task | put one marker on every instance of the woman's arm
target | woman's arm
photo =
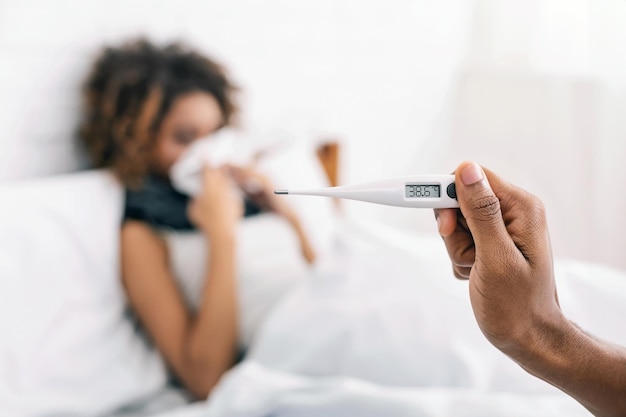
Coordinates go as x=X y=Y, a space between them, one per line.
x=199 y=347
x=263 y=195
x=306 y=248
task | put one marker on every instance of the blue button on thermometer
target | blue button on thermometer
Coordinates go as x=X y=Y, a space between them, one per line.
x=425 y=191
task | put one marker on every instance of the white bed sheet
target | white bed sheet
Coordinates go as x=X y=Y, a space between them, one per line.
x=383 y=328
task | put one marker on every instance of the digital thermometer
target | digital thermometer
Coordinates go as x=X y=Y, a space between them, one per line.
x=422 y=191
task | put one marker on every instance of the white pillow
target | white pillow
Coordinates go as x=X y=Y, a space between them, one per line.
x=269 y=265
x=66 y=347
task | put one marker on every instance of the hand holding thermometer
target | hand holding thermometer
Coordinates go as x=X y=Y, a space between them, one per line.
x=420 y=191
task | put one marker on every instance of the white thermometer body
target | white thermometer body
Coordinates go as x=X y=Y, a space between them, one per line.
x=420 y=191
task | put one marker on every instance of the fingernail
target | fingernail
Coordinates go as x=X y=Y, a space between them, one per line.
x=471 y=174
x=439 y=221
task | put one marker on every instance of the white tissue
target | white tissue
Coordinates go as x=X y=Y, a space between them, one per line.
x=215 y=150
x=227 y=146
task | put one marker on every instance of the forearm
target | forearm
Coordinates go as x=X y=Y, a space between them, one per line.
x=212 y=336
x=590 y=370
x=306 y=248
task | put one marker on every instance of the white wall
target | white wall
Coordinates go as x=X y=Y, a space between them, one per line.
x=540 y=99
x=351 y=67
x=410 y=86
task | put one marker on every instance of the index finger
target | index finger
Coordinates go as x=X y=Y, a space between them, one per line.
x=446 y=221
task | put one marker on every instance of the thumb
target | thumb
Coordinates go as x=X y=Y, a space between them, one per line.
x=481 y=208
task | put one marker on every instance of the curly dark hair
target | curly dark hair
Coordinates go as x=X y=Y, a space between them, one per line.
x=130 y=90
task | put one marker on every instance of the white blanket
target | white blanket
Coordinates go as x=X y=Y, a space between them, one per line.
x=254 y=390
x=384 y=329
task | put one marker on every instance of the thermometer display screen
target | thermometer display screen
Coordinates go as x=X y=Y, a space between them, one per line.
x=422 y=191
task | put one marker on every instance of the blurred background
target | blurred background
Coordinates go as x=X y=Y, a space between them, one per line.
x=535 y=90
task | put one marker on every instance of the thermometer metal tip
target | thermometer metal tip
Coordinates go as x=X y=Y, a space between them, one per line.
x=281 y=191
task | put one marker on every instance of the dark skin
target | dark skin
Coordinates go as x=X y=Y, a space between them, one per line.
x=499 y=241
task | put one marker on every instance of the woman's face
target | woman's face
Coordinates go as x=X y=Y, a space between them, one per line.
x=191 y=117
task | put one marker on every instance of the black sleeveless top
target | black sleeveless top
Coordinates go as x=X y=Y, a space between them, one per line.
x=160 y=205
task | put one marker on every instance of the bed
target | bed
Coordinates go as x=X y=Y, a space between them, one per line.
x=378 y=327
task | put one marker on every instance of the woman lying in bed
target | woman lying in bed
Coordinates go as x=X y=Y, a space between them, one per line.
x=145 y=105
